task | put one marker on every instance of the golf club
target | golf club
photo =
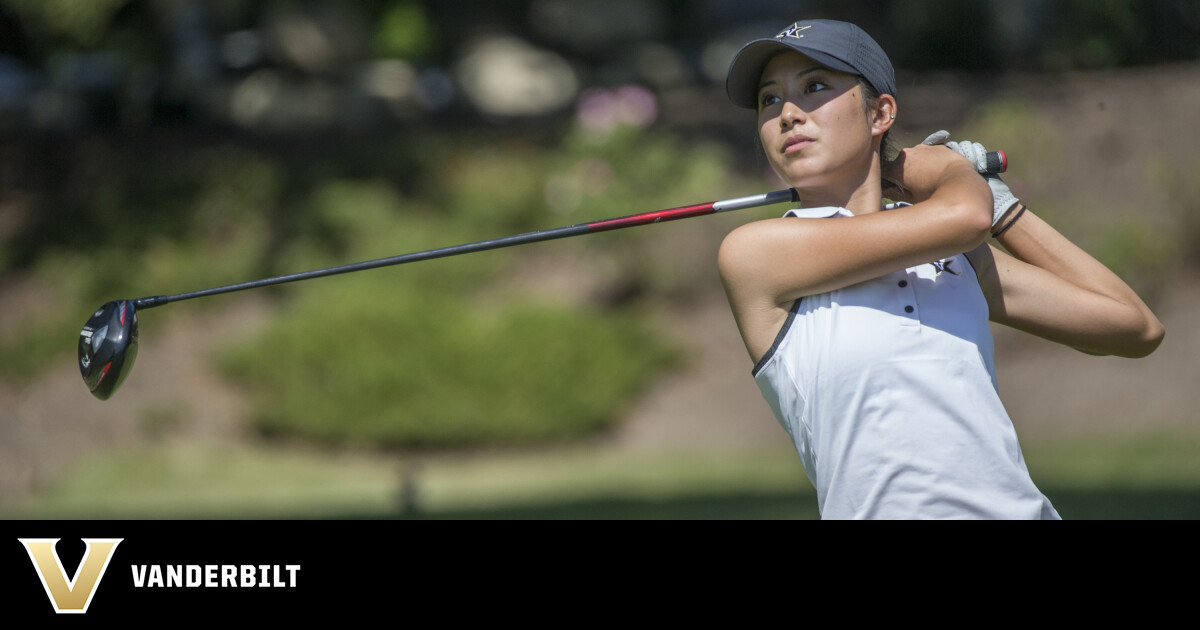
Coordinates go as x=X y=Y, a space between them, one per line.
x=108 y=342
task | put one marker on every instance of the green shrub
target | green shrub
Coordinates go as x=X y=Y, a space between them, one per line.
x=494 y=190
x=382 y=360
x=1145 y=258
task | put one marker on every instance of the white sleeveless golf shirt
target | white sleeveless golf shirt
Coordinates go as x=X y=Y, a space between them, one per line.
x=888 y=391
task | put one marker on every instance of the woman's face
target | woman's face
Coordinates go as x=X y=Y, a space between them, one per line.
x=814 y=128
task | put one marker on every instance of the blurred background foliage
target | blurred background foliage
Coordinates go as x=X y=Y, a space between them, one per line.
x=162 y=146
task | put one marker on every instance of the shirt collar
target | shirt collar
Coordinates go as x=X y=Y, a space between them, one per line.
x=830 y=211
x=818 y=213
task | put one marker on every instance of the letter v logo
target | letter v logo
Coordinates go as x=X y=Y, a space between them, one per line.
x=70 y=595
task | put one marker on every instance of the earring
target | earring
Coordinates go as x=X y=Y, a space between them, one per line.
x=893 y=117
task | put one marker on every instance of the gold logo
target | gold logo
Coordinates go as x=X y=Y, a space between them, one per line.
x=72 y=595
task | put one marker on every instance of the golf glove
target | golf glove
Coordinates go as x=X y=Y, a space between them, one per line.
x=937 y=137
x=1002 y=198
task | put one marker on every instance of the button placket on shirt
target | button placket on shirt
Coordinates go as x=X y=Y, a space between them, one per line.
x=909 y=295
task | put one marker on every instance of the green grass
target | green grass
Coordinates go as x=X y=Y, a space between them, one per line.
x=1142 y=477
x=186 y=481
x=242 y=482
x=1137 y=462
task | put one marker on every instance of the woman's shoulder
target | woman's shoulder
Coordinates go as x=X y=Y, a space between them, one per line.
x=747 y=248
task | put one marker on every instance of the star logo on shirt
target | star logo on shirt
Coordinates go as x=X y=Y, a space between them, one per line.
x=793 y=31
x=944 y=265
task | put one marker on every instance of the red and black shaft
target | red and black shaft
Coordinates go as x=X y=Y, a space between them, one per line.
x=645 y=218
x=997 y=162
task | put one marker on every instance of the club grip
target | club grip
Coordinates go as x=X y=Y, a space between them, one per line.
x=997 y=162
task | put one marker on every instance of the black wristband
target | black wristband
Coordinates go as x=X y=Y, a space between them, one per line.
x=1010 y=221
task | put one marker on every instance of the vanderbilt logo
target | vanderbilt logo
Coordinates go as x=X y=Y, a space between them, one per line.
x=72 y=595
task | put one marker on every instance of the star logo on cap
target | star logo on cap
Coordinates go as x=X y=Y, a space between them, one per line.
x=793 y=31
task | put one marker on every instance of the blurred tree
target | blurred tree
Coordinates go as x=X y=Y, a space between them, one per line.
x=1092 y=34
x=940 y=34
x=404 y=31
x=13 y=40
x=68 y=24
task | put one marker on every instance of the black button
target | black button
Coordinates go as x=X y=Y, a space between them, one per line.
x=908 y=309
x=903 y=283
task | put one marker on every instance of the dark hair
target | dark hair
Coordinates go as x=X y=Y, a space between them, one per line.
x=887 y=149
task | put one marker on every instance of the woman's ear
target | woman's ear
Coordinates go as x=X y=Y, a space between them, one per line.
x=883 y=114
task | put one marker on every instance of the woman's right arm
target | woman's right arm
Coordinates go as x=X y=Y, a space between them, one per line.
x=766 y=265
x=781 y=260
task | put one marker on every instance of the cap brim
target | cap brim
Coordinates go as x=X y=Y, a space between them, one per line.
x=745 y=71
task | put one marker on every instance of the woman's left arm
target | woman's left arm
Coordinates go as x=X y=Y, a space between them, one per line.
x=1048 y=286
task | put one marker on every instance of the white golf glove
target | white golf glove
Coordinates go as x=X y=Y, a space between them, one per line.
x=1002 y=198
x=937 y=137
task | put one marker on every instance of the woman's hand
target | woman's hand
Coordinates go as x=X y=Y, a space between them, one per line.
x=1003 y=199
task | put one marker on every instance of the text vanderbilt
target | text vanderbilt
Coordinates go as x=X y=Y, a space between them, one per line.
x=215 y=575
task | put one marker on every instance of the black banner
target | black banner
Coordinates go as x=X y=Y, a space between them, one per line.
x=236 y=570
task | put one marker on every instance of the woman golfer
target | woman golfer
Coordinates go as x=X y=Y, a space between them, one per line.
x=868 y=325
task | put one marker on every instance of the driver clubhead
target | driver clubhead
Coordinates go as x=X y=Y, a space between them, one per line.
x=108 y=344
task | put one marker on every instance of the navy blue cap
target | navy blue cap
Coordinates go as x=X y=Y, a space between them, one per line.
x=837 y=45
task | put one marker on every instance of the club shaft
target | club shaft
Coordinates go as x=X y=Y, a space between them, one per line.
x=997 y=162
x=645 y=218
